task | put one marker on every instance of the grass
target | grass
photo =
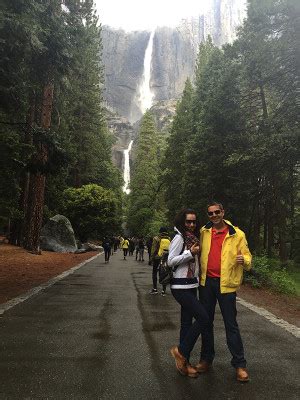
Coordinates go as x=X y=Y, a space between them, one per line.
x=294 y=273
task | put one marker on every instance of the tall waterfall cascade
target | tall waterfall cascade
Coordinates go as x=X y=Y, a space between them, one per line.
x=145 y=95
x=126 y=170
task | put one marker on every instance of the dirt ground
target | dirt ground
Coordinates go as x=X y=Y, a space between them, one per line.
x=21 y=271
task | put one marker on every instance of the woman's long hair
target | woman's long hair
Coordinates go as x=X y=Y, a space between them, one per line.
x=180 y=221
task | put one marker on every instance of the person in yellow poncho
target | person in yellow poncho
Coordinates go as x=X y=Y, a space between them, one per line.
x=125 y=246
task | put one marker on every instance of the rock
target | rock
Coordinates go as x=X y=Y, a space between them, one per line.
x=58 y=235
x=91 y=247
x=79 y=251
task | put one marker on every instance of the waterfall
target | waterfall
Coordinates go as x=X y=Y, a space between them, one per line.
x=145 y=95
x=126 y=171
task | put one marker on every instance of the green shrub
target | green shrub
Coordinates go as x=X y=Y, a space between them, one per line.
x=267 y=272
x=93 y=211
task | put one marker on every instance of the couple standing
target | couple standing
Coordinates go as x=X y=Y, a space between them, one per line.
x=223 y=253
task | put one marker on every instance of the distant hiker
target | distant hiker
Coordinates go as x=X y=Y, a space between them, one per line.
x=149 y=245
x=124 y=246
x=136 y=247
x=224 y=256
x=141 y=245
x=106 y=244
x=159 y=244
x=184 y=259
x=111 y=246
x=116 y=243
x=131 y=247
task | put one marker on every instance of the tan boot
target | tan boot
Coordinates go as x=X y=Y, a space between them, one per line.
x=242 y=375
x=202 y=366
x=182 y=366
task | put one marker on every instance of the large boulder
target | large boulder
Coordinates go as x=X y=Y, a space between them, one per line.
x=58 y=235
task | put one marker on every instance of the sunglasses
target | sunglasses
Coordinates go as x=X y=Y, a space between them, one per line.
x=211 y=213
x=190 y=221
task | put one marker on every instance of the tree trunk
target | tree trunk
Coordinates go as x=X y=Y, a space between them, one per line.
x=281 y=223
x=17 y=232
x=34 y=215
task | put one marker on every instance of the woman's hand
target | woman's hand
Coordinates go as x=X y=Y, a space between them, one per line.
x=195 y=249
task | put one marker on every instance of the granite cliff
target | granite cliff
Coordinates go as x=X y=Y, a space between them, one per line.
x=173 y=56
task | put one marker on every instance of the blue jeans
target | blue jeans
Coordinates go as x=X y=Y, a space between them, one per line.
x=209 y=295
x=189 y=329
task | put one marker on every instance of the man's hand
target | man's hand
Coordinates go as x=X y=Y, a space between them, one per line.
x=195 y=249
x=240 y=258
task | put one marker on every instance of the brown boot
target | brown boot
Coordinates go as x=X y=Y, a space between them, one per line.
x=242 y=375
x=191 y=371
x=181 y=364
x=202 y=366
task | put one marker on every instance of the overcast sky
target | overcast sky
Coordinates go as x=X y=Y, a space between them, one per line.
x=146 y=14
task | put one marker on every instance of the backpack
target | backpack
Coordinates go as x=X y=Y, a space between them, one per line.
x=165 y=272
x=164 y=245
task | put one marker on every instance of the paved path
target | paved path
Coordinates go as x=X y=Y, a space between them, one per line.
x=98 y=334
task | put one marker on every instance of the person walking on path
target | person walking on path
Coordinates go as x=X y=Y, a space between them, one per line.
x=224 y=256
x=107 y=249
x=149 y=245
x=184 y=260
x=141 y=245
x=124 y=246
x=131 y=247
x=158 y=244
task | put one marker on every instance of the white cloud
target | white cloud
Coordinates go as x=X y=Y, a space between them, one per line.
x=147 y=14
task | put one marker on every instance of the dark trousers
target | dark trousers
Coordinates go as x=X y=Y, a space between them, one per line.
x=155 y=267
x=106 y=254
x=191 y=308
x=209 y=295
x=125 y=251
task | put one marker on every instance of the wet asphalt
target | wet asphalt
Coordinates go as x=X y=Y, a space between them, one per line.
x=98 y=334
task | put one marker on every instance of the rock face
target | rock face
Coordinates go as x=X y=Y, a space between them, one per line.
x=173 y=57
x=58 y=235
x=173 y=60
x=123 y=133
x=123 y=57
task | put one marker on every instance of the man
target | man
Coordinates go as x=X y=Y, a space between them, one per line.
x=224 y=256
x=160 y=244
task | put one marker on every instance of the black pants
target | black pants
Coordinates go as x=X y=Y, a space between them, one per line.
x=155 y=266
x=209 y=295
x=107 y=254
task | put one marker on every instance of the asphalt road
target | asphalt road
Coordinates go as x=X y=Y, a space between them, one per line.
x=98 y=334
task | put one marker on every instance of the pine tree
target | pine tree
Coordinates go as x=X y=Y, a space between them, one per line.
x=144 y=183
x=176 y=156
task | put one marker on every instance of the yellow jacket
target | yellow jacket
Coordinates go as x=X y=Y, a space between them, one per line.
x=231 y=272
x=125 y=244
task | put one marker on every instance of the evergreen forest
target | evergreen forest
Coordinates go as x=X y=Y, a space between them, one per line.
x=234 y=138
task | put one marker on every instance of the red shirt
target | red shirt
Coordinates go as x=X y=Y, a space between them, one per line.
x=214 y=256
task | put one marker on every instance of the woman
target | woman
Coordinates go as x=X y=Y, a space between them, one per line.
x=184 y=260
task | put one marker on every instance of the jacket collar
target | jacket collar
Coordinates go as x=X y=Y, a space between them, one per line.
x=232 y=230
x=177 y=231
